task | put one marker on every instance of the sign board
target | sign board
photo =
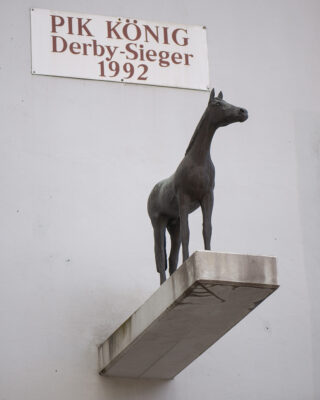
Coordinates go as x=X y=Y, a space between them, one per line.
x=119 y=49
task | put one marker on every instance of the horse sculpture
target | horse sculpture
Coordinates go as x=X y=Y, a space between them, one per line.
x=191 y=186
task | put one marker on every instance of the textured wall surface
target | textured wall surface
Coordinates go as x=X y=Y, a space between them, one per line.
x=78 y=160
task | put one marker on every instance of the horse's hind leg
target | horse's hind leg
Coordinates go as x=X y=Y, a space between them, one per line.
x=174 y=231
x=159 y=230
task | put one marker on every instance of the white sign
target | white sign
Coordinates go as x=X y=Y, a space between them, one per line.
x=119 y=49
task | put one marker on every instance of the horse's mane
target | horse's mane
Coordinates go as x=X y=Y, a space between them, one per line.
x=196 y=132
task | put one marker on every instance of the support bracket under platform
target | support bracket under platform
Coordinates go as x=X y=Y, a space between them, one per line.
x=209 y=294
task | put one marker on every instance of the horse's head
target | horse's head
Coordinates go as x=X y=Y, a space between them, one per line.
x=222 y=113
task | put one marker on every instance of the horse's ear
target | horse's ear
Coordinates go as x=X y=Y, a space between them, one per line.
x=220 y=96
x=212 y=94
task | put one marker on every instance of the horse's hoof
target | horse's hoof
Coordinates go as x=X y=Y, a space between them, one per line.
x=162 y=279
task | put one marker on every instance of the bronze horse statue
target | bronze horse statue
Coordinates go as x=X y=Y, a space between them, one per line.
x=191 y=186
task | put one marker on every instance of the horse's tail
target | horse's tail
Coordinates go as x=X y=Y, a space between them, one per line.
x=159 y=230
x=165 y=251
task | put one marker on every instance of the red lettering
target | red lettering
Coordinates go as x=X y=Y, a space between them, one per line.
x=186 y=57
x=111 y=50
x=163 y=56
x=153 y=34
x=70 y=30
x=125 y=31
x=55 y=23
x=151 y=55
x=85 y=48
x=165 y=35
x=112 y=29
x=82 y=26
x=130 y=50
x=176 y=58
x=98 y=50
x=54 y=44
x=184 y=39
x=75 y=46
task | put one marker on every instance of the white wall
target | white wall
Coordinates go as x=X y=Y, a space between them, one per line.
x=78 y=159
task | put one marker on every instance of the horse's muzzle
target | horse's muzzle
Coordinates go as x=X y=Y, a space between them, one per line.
x=243 y=114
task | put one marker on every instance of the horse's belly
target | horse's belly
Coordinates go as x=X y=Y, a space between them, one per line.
x=193 y=205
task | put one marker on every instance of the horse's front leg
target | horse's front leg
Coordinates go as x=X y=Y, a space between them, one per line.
x=184 y=225
x=206 y=207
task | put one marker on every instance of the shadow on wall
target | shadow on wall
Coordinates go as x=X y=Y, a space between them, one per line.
x=136 y=388
x=125 y=388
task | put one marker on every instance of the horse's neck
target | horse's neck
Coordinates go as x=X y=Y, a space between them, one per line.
x=199 y=148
